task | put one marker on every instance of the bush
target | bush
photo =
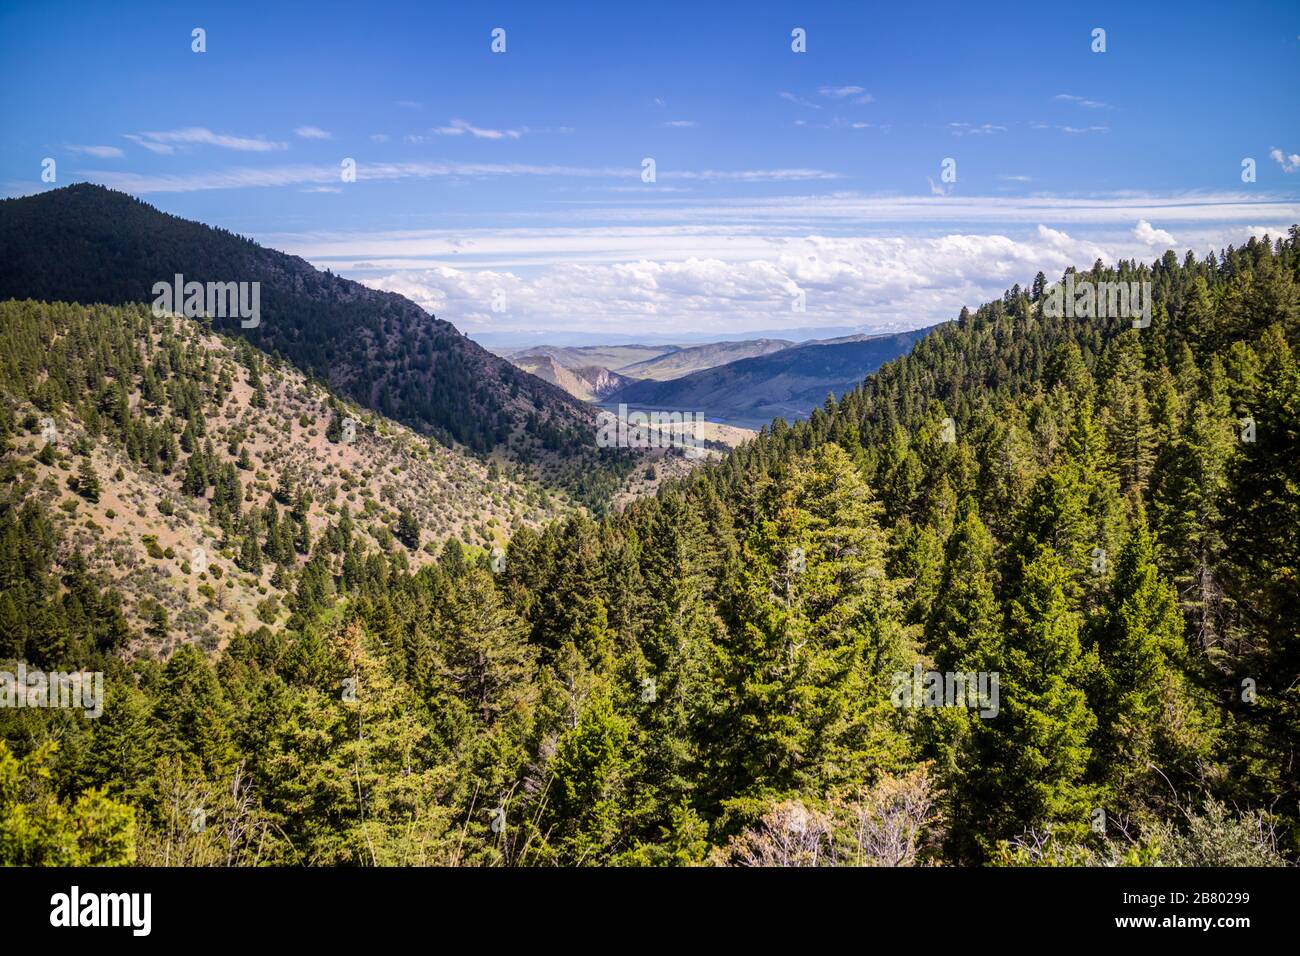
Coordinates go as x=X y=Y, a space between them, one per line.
x=151 y=547
x=1215 y=838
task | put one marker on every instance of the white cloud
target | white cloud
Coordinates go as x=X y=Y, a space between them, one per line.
x=153 y=147
x=892 y=282
x=1149 y=235
x=458 y=127
x=1289 y=164
x=247 y=177
x=876 y=283
x=967 y=129
x=732 y=266
x=605 y=233
x=838 y=122
x=1070 y=129
x=748 y=175
x=378 y=137
x=681 y=124
x=168 y=141
x=799 y=100
x=311 y=132
x=1053 y=238
x=856 y=93
x=102 y=152
x=1085 y=103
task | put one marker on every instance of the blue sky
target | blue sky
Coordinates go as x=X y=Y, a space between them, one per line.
x=504 y=191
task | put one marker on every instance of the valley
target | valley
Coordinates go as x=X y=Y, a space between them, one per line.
x=740 y=386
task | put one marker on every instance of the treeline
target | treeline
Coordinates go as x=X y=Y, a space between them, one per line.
x=1103 y=516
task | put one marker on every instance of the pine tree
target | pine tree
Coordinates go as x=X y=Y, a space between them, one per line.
x=121 y=752
x=1261 y=513
x=1187 y=498
x=1138 y=693
x=588 y=806
x=1027 y=764
x=38 y=829
x=963 y=631
x=486 y=657
x=334 y=430
x=250 y=553
x=815 y=635
x=159 y=625
x=343 y=763
x=192 y=713
x=408 y=529
x=88 y=481
x=963 y=634
x=1132 y=436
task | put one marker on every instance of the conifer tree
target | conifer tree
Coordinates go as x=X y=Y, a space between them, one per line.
x=192 y=713
x=1139 y=695
x=408 y=529
x=815 y=635
x=1027 y=764
x=88 y=481
x=486 y=657
x=963 y=631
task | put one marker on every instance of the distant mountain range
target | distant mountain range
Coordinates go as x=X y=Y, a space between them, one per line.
x=788 y=383
x=745 y=383
x=641 y=361
x=588 y=382
x=696 y=358
x=518 y=340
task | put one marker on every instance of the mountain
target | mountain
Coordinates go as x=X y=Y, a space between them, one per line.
x=788 y=383
x=613 y=357
x=1100 y=514
x=634 y=362
x=85 y=243
x=1080 y=533
x=587 y=382
x=695 y=358
x=200 y=441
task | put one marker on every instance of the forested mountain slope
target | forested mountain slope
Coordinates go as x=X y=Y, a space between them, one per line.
x=1109 y=519
x=712 y=675
x=84 y=243
x=150 y=437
